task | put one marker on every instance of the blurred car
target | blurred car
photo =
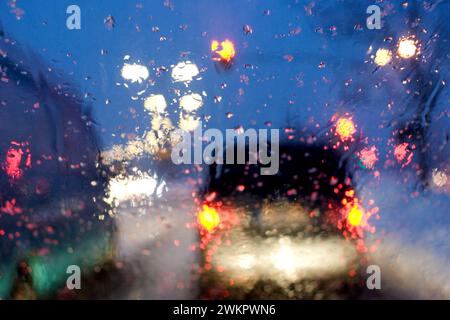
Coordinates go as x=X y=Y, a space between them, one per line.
x=279 y=236
x=51 y=181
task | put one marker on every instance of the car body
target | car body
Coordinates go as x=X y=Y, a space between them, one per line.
x=279 y=236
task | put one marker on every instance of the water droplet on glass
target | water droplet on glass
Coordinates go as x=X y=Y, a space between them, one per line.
x=109 y=22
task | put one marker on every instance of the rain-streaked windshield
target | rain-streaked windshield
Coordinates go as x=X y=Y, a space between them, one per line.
x=172 y=149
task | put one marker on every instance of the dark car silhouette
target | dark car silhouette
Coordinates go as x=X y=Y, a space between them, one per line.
x=279 y=236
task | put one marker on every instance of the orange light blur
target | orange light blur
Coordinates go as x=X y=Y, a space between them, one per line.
x=227 y=52
x=355 y=221
x=208 y=218
x=345 y=128
x=355 y=216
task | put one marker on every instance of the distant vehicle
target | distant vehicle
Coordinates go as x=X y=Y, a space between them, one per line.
x=51 y=181
x=278 y=236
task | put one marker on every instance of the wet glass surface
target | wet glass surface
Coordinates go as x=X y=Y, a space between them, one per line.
x=352 y=123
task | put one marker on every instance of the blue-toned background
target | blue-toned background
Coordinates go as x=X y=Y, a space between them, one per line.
x=303 y=63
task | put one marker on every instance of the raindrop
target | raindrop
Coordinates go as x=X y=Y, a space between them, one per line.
x=109 y=22
x=247 y=29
